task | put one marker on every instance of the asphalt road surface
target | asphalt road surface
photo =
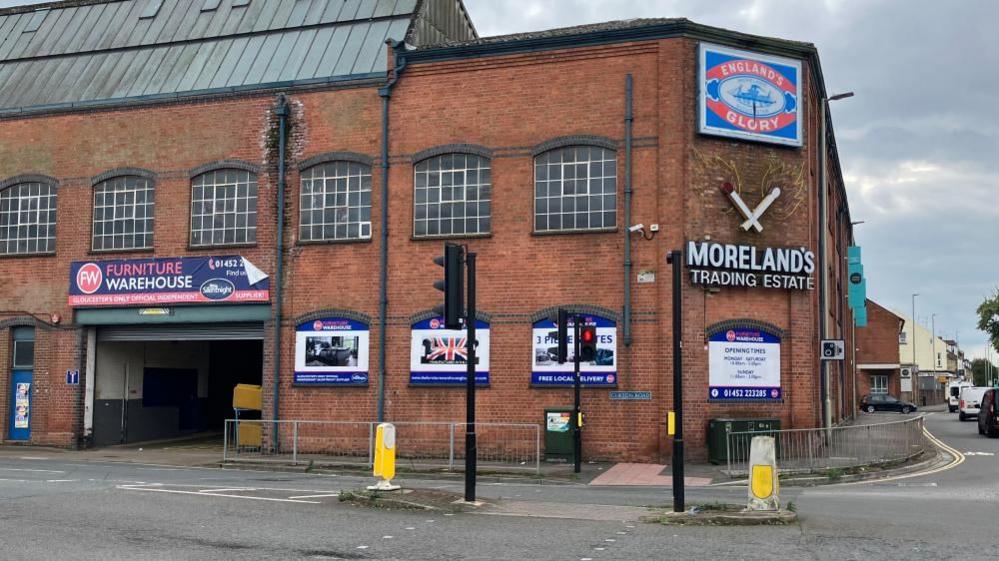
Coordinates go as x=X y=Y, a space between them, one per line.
x=52 y=509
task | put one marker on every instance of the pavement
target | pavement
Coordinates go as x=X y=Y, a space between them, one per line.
x=59 y=506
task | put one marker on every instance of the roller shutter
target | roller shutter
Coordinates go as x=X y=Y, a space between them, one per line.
x=182 y=332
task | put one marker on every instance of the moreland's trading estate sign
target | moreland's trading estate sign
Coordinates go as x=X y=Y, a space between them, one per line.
x=331 y=351
x=723 y=264
x=173 y=280
x=439 y=356
x=601 y=371
x=750 y=96
x=744 y=364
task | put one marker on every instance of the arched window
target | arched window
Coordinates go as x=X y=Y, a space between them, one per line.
x=336 y=202
x=575 y=188
x=452 y=196
x=224 y=208
x=123 y=213
x=27 y=218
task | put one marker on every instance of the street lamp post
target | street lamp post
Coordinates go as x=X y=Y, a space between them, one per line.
x=823 y=257
x=915 y=365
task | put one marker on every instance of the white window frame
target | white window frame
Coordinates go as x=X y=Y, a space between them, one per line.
x=879 y=384
x=553 y=171
x=432 y=196
x=339 y=210
x=30 y=210
x=127 y=212
x=236 y=208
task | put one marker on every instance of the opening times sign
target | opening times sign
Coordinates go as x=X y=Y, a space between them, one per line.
x=744 y=365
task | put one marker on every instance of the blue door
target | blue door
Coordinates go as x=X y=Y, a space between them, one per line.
x=23 y=364
x=20 y=405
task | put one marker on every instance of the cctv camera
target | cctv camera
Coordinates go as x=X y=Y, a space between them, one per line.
x=636 y=228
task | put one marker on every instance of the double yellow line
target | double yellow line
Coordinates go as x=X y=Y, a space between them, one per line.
x=958 y=459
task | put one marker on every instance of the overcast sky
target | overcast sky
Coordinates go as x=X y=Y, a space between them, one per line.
x=919 y=142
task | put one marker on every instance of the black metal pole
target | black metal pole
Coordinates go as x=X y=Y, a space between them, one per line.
x=676 y=259
x=471 y=449
x=577 y=426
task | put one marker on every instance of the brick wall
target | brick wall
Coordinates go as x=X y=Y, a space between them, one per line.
x=877 y=343
x=508 y=104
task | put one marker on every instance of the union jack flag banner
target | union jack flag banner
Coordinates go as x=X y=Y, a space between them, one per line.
x=439 y=356
x=448 y=349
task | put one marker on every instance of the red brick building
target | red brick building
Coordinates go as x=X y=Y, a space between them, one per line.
x=878 y=361
x=153 y=167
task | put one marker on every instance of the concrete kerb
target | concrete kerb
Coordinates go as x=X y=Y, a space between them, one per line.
x=726 y=515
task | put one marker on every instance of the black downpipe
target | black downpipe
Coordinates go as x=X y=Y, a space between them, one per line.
x=386 y=94
x=629 y=119
x=282 y=114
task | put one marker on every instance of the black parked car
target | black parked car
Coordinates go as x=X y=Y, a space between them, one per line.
x=988 y=415
x=884 y=402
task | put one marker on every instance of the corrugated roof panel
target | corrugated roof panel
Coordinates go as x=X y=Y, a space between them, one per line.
x=282 y=58
x=350 y=8
x=127 y=25
x=131 y=73
x=199 y=29
x=405 y=7
x=315 y=12
x=228 y=65
x=332 y=11
x=165 y=23
x=219 y=18
x=366 y=10
x=151 y=9
x=9 y=86
x=211 y=65
x=51 y=74
x=82 y=76
x=263 y=60
x=154 y=84
x=283 y=14
x=196 y=67
x=140 y=29
x=37 y=17
x=266 y=15
x=397 y=29
x=373 y=49
x=180 y=68
x=290 y=70
x=153 y=67
x=333 y=53
x=182 y=29
x=234 y=20
x=251 y=15
x=14 y=35
x=298 y=12
x=41 y=36
x=246 y=61
x=100 y=76
x=351 y=48
x=115 y=23
x=94 y=30
x=385 y=8
x=316 y=51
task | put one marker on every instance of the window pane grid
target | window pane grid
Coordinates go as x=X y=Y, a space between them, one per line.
x=224 y=208
x=575 y=188
x=452 y=196
x=123 y=214
x=27 y=219
x=336 y=202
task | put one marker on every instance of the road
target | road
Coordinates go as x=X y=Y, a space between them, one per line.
x=54 y=509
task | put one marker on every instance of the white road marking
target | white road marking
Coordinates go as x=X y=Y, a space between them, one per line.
x=315 y=496
x=362 y=547
x=386 y=537
x=979 y=454
x=179 y=492
x=33 y=470
x=33 y=458
x=60 y=480
x=227 y=490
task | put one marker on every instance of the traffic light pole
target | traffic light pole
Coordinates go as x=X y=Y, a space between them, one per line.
x=577 y=382
x=676 y=259
x=471 y=448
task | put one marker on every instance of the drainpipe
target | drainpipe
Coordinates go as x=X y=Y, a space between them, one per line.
x=629 y=119
x=386 y=94
x=824 y=389
x=282 y=114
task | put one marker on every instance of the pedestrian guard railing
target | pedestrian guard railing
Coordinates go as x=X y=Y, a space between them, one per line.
x=820 y=450
x=420 y=444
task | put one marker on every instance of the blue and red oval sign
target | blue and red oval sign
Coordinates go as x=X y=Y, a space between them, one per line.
x=750 y=96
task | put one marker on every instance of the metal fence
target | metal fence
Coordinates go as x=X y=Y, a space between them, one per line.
x=817 y=450
x=420 y=445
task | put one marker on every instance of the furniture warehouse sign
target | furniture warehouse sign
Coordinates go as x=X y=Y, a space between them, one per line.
x=744 y=365
x=173 y=280
x=749 y=96
x=439 y=356
x=600 y=372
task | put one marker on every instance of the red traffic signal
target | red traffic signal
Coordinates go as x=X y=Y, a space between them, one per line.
x=587 y=343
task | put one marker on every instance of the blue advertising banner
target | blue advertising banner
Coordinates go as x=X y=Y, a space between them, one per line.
x=744 y=365
x=600 y=372
x=173 y=280
x=749 y=96
x=331 y=351
x=439 y=356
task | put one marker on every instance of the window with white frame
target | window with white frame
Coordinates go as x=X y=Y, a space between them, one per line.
x=575 y=188
x=336 y=202
x=879 y=384
x=27 y=218
x=123 y=213
x=224 y=208
x=452 y=196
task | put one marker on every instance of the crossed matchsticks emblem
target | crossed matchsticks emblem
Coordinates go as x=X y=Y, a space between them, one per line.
x=752 y=216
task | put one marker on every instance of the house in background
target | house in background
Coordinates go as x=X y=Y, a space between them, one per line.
x=878 y=356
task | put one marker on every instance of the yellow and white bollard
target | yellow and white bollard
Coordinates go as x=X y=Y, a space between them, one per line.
x=384 y=458
x=764 y=487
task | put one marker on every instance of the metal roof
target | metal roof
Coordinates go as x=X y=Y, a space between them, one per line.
x=82 y=52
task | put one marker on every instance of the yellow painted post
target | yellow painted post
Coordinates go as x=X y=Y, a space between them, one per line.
x=384 y=458
x=671 y=423
x=764 y=485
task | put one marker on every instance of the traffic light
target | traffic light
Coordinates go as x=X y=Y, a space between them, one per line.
x=587 y=343
x=561 y=336
x=452 y=286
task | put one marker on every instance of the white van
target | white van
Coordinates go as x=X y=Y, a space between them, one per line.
x=970 y=401
x=954 y=393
